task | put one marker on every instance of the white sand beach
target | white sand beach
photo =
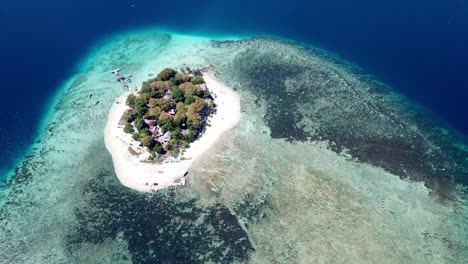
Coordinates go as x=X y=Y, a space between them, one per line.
x=135 y=173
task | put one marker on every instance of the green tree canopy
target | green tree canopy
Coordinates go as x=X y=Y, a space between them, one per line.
x=136 y=136
x=183 y=77
x=175 y=81
x=157 y=148
x=177 y=134
x=190 y=89
x=131 y=100
x=179 y=120
x=166 y=122
x=198 y=80
x=153 y=103
x=166 y=74
x=156 y=94
x=189 y=100
x=140 y=102
x=194 y=119
x=128 y=128
x=129 y=118
x=141 y=110
x=163 y=118
x=164 y=104
x=147 y=83
x=145 y=97
x=141 y=107
x=195 y=122
x=181 y=109
x=154 y=113
x=192 y=135
x=198 y=105
x=147 y=141
x=178 y=94
x=140 y=124
x=145 y=89
x=160 y=86
x=145 y=132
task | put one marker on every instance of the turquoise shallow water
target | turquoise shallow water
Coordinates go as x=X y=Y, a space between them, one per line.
x=327 y=164
x=416 y=47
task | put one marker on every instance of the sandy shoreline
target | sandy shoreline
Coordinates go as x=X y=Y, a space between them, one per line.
x=140 y=176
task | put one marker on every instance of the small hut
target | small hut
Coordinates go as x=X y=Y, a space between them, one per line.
x=166 y=137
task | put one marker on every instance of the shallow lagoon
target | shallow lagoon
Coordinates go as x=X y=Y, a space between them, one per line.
x=309 y=174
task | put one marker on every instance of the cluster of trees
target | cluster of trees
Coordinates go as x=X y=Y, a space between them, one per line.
x=177 y=102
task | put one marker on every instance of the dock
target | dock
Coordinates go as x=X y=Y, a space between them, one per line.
x=171 y=188
x=122 y=79
x=171 y=191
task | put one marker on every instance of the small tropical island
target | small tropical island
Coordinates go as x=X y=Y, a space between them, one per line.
x=156 y=133
x=169 y=112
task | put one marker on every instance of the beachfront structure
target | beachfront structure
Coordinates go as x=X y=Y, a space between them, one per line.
x=166 y=137
x=122 y=79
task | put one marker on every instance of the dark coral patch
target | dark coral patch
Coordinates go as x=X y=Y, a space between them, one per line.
x=312 y=95
x=158 y=229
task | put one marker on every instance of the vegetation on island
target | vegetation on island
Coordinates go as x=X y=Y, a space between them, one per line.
x=169 y=112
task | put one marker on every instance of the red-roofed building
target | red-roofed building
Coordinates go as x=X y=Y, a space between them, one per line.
x=152 y=123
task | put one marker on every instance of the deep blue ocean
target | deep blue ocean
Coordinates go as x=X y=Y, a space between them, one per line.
x=420 y=48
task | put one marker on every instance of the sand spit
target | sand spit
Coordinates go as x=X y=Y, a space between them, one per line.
x=134 y=172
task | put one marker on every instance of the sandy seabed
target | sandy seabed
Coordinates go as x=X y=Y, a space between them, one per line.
x=136 y=172
x=257 y=195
